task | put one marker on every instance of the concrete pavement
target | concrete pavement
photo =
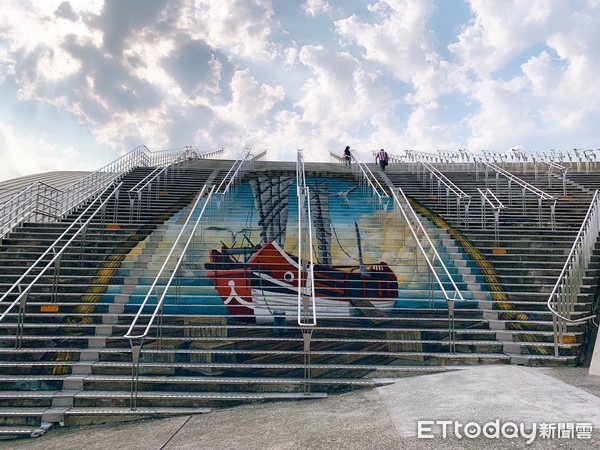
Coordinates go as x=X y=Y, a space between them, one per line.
x=487 y=400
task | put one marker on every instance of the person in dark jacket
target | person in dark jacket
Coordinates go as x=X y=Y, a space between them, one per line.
x=347 y=156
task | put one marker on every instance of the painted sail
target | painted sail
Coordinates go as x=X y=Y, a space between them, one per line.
x=322 y=223
x=271 y=201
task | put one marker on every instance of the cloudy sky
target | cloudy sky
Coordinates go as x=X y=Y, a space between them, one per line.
x=83 y=81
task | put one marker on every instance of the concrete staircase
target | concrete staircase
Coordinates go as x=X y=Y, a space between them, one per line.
x=74 y=366
x=520 y=269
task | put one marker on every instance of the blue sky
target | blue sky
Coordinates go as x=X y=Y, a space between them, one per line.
x=83 y=81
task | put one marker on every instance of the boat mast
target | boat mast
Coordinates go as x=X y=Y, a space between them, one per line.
x=363 y=269
x=322 y=223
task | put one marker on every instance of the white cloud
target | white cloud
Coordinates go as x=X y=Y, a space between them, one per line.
x=27 y=154
x=242 y=27
x=553 y=94
x=316 y=7
x=251 y=101
x=319 y=74
x=398 y=38
x=502 y=30
x=503 y=118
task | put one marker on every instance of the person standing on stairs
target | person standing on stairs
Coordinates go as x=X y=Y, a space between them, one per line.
x=382 y=157
x=347 y=157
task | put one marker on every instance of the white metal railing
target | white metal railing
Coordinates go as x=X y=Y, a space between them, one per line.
x=22 y=208
x=55 y=261
x=414 y=156
x=525 y=187
x=449 y=157
x=366 y=178
x=551 y=167
x=207 y=154
x=135 y=193
x=563 y=298
x=34 y=204
x=435 y=264
x=307 y=312
x=337 y=157
x=307 y=309
x=233 y=174
x=258 y=156
x=136 y=340
x=37 y=202
x=587 y=157
x=488 y=198
x=461 y=198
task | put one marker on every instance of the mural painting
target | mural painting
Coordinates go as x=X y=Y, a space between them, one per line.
x=362 y=253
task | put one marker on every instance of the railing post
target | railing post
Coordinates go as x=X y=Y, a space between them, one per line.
x=497 y=226
x=451 y=325
x=116 y=205
x=82 y=240
x=56 y=277
x=307 y=332
x=555 y=332
x=135 y=373
x=132 y=199
x=21 y=319
x=430 y=283
x=482 y=210
x=159 y=324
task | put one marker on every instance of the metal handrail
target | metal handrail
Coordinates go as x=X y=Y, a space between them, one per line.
x=258 y=156
x=300 y=175
x=414 y=156
x=412 y=219
x=525 y=187
x=147 y=180
x=563 y=298
x=22 y=207
x=135 y=193
x=306 y=296
x=136 y=349
x=524 y=184
x=307 y=310
x=488 y=197
x=336 y=156
x=55 y=260
x=232 y=173
x=435 y=173
x=208 y=153
x=129 y=334
x=553 y=165
x=461 y=196
x=449 y=156
x=90 y=185
x=367 y=175
x=588 y=155
x=29 y=199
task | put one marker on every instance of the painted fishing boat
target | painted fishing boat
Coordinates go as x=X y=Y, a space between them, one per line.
x=267 y=284
x=261 y=281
